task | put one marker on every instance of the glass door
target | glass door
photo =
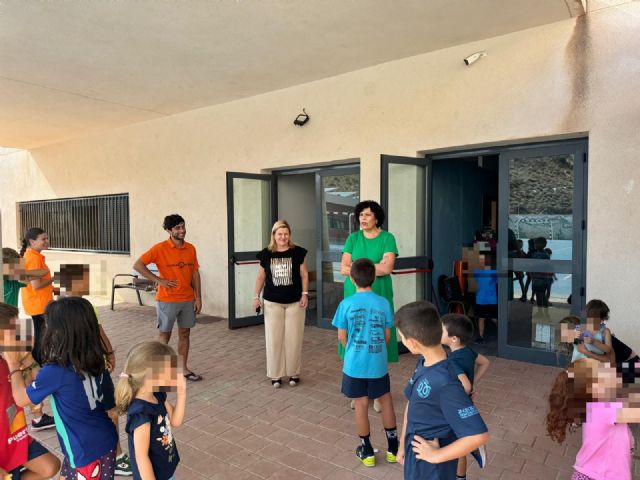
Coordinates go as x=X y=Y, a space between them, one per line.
x=404 y=198
x=540 y=248
x=250 y=215
x=337 y=193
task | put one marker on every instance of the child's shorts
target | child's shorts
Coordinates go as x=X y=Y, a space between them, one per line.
x=365 y=387
x=104 y=468
x=35 y=450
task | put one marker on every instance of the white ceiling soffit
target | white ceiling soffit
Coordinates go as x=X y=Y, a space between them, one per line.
x=70 y=68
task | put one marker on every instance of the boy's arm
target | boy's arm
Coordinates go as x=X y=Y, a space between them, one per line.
x=400 y=455
x=111 y=356
x=430 y=452
x=482 y=365
x=603 y=346
x=342 y=337
x=387 y=335
x=141 y=440
x=466 y=384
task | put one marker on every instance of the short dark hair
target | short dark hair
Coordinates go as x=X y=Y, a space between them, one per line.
x=460 y=326
x=421 y=322
x=539 y=243
x=597 y=309
x=7 y=313
x=363 y=272
x=375 y=207
x=171 y=221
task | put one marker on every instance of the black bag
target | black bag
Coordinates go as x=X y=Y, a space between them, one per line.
x=449 y=289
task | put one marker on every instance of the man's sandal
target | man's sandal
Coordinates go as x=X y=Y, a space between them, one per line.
x=193 y=377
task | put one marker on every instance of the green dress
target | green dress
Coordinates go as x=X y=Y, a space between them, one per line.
x=374 y=249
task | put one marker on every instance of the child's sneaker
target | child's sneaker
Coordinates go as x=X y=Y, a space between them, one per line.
x=46 y=421
x=123 y=466
x=480 y=454
x=366 y=459
x=391 y=457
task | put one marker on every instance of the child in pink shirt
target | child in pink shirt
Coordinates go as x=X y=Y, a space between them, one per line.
x=587 y=393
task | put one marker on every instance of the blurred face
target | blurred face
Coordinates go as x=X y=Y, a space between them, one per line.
x=607 y=382
x=13 y=268
x=568 y=333
x=281 y=236
x=164 y=374
x=40 y=243
x=593 y=324
x=367 y=219
x=12 y=341
x=178 y=232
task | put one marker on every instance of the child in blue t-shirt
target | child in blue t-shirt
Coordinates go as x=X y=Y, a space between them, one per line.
x=457 y=333
x=81 y=390
x=441 y=424
x=364 y=322
x=149 y=372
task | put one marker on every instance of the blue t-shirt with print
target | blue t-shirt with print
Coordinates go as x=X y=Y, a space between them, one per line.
x=364 y=316
x=79 y=406
x=487 y=283
x=463 y=360
x=438 y=408
x=163 y=452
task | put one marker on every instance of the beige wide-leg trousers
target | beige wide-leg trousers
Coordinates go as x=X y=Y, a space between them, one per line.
x=283 y=332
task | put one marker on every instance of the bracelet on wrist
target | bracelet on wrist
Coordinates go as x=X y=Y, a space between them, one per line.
x=305 y=293
x=12 y=372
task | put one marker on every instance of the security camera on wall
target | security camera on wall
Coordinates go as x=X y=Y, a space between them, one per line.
x=474 y=57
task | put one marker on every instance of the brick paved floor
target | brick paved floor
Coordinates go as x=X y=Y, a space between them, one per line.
x=239 y=427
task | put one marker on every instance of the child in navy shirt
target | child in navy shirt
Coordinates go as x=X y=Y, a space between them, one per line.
x=364 y=322
x=457 y=333
x=149 y=372
x=441 y=424
x=81 y=390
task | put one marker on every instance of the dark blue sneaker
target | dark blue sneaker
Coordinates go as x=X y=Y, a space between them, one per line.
x=480 y=454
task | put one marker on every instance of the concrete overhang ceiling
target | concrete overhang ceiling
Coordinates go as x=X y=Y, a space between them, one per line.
x=71 y=68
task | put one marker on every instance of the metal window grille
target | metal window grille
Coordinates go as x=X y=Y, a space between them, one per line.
x=97 y=224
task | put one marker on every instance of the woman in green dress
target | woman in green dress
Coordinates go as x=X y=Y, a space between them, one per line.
x=379 y=246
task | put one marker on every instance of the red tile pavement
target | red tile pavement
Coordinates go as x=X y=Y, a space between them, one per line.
x=238 y=427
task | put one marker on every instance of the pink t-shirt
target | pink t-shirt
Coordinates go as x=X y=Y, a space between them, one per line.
x=606 y=445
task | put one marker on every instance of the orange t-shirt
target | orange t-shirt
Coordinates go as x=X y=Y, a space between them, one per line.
x=35 y=301
x=174 y=263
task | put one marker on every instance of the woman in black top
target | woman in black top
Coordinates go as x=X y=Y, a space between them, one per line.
x=284 y=276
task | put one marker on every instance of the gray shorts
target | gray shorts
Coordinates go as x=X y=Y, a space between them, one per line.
x=168 y=312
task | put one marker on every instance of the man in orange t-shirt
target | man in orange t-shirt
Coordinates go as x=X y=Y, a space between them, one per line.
x=179 y=294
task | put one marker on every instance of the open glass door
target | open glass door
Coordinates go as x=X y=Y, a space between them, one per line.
x=250 y=215
x=404 y=198
x=337 y=194
x=542 y=204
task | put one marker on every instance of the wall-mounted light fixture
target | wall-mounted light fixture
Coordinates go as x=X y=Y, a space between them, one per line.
x=474 y=57
x=301 y=119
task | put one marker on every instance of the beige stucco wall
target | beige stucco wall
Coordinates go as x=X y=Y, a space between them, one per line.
x=567 y=78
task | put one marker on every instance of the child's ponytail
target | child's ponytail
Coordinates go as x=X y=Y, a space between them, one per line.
x=141 y=358
x=125 y=393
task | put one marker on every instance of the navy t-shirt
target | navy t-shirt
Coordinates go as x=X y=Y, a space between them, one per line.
x=438 y=408
x=163 y=452
x=463 y=360
x=79 y=406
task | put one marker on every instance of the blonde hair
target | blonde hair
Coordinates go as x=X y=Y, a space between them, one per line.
x=277 y=226
x=140 y=359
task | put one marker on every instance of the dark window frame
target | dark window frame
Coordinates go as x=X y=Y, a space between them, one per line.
x=94 y=224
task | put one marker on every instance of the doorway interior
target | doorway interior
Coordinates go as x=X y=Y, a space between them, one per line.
x=319 y=204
